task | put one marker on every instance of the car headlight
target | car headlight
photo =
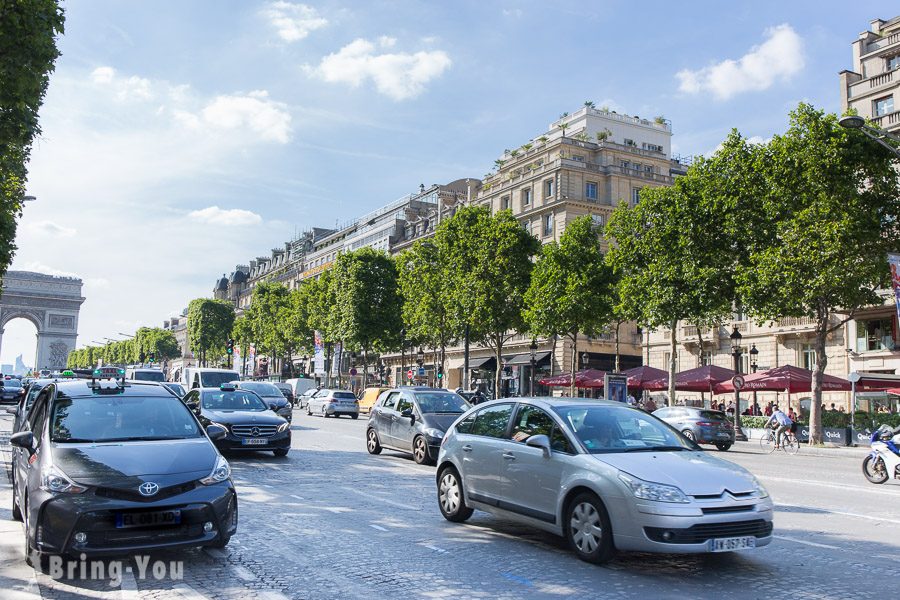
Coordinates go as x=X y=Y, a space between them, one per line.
x=434 y=433
x=55 y=481
x=283 y=426
x=648 y=490
x=760 y=488
x=220 y=473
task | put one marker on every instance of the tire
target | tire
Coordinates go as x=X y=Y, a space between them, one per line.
x=324 y=412
x=451 y=499
x=420 y=451
x=874 y=470
x=588 y=529
x=281 y=451
x=354 y=416
x=723 y=447
x=16 y=511
x=689 y=435
x=790 y=445
x=767 y=442
x=308 y=411
x=220 y=543
x=372 y=443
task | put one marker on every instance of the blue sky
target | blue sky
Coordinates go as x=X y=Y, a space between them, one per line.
x=181 y=138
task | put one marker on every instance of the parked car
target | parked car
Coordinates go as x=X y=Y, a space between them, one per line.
x=105 y=467
x=303 y=399
x=175 y=388
x=333 y=403
x=286 y=390
x=699 y=425
x=603 y=475
x=413 y=420
x=369 y=397
x=10 y=390
x=249 y=423
x=270 y=394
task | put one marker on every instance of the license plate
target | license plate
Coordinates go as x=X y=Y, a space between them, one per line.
x=724 y=435
x=148 y=519
x=730 y=544
x=254 y=441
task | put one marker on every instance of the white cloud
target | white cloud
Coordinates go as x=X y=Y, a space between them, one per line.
x=214 y=215
x=253 y=111
x=399 y=76
x=103 y=74
x=293 y=22
x=779 y=57
x=48 y=228
x=123 y=89
x=512 y=12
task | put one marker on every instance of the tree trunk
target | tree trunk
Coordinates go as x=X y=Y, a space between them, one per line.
x=700 y=342
x=673 y=356
x=441 y=364
x=815 y=408
x=498 y=347
x=574 y=365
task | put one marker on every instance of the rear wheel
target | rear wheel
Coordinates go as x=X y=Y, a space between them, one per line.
x=420 y=451
x=588 y=529
x=372 y=443
x=723 y=446
x=450 y=496
x=354 y=416
x=790 y=444
x=874 y=469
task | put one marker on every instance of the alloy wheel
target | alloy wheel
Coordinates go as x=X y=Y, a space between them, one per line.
x=372 y=444
x=586 y=527
x=449 y=493
x=420 y=451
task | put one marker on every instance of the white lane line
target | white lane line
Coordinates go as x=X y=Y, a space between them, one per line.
x=128 y=589
x=378 y=527
x=270 y=595
x=804 y=542
x=836 y=486
x=188 y=593
x=435 y=548
x=378 y=498
x=296 y=497
x=243 y=573
x=842 y=513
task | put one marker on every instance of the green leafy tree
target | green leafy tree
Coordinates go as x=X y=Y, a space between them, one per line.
x=488 y=267
x=209 y=325
x=367 y=302
x=572 y=289
x=160 y=342
x=28 y=32
x=320 y=303
x=242 y=333
x=268 y=309
x=828 y=213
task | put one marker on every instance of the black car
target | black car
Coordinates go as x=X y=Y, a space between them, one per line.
x=105 y=467
x=413 y=419
x=10 y=391
x=175 y=388
x=20 y=410
x=270 y=394
x=250 y=424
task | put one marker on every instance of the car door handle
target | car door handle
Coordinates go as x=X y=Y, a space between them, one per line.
x=467 y=448
x=509 y=456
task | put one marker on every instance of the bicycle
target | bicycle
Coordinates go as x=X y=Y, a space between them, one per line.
x=789 y=442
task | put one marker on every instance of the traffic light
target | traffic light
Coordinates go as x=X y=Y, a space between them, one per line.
x=440 y=372
x=152 y=357
x=229 y=349
x=142 y=357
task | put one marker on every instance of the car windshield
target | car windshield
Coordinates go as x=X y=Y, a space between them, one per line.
x=236 y=400
x=441 y=402
x=148 y=376
x=261 y=388
x=121 y=418
x=216 y=379
x=608 y=429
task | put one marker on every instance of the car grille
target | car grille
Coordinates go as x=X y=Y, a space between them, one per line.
x=728 y=509
x=135 y=496
x=700 y=533
x=156 y=535
x=247 y=430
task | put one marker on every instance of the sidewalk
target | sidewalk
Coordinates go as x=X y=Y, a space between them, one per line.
x=857 y=452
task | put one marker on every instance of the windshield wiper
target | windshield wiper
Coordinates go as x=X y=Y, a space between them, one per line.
x=73 y=441
x=141 y=438
x=656 y=449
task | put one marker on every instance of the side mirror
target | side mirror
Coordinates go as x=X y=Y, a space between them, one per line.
x=539 y=441
x=273 y=407
x=24 y=440
x=408 y=412
x=216 y=432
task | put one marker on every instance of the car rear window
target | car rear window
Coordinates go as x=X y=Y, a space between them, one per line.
x=263 y=389
x=149 y=376
x=344 y=396
x=12 y=383
x=712 y=415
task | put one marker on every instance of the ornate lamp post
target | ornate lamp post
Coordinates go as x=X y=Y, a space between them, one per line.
x=585 y=357
x=533 y=349
x=753 y=365
x=736 y=354
x=420 y=356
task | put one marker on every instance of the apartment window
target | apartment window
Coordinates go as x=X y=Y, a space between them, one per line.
x=629 y=142
x=635 y=196
x=706 y=358
x=893 y=62
x=597 y=221
x=504 y=203
x=548 y=188
x=808 y=356
x=590 y=190
x=526 y=197
x=548 y=224
x=526 y=225
x=884 y=106
x=738 y=314
x=577 y=157
x=875 y=334
x=626 y=165
x=667 y=357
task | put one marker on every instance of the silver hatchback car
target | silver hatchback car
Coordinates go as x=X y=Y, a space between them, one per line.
x=604 y=475
x=333 y=403
x=699 y=425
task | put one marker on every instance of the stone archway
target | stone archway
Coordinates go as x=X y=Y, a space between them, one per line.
x=51 y=303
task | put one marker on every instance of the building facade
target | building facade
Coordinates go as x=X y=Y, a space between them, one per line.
x=871 y=88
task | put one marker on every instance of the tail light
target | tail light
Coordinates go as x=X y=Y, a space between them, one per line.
x=706 y=424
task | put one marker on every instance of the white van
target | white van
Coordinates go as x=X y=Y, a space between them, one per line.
x=300 y=385
x=144 y=374
x=196 y=377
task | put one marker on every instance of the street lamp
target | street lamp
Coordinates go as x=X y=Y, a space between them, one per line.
x=753 y=354
x=736 y=354
x=420 y=356
x=584 y=360
x=879 y=135
x=533 y=349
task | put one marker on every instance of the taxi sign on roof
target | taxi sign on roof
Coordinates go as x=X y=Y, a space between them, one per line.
x=108 y=372
x=68 y=373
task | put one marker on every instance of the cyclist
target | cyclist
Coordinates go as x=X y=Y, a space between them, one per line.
x=781 y=422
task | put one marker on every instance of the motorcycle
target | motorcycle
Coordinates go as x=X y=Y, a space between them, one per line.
x=884 y=460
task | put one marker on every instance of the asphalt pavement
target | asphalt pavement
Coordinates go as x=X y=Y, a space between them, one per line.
x=331 y=521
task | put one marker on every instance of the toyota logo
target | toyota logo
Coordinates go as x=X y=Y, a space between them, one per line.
x=148 y=489
x=254 y=431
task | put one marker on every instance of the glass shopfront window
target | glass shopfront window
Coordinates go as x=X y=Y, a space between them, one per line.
x=875 y=334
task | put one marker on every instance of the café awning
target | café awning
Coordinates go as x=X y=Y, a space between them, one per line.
x=525 y=358
x=788 y=379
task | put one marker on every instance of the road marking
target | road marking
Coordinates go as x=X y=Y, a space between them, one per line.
x=378 y=527
x=128 y=589
x=270 y=595
x=836 y=486
x=435 y=548
x=296 y=497
x=379 y=498
x=843 y=514
x=804 y=542
x=188 y=593
x=243 y=573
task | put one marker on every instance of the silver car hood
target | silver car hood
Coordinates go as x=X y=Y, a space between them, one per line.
x=694 y=473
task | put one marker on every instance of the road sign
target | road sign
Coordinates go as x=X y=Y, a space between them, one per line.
x=409 y=374
x=737 y=381
x=353 y=372
x=421 y=371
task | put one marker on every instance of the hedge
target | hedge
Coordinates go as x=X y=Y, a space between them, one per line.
x=835 y=420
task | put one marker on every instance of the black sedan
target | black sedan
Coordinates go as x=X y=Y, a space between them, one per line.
x=10 y=391
x=105 y=467
x=250 y=424
x=270 y=394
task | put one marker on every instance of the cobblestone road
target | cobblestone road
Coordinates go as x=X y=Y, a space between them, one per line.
x=330 y=521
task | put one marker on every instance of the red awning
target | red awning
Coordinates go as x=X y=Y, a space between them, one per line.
x=640 y=377
x=788 y=379
x=701 y=379
x=877 y=381
x=589 y=378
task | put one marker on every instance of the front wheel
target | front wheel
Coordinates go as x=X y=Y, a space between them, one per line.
x=874 y=469
x=420 y=451
x=281 y=451
x=689 y=435
x=588 y=529
x=450 y=496
x=221 y=542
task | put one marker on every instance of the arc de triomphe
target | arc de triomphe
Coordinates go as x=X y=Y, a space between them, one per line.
x=51 y=303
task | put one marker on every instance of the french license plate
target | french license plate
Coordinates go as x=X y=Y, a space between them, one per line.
x=724 y=435
x=254 y=441
x=148 y=519
x=734 y=543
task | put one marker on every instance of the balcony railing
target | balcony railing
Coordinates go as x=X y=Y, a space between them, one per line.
x=690 y=331
x=882 y=43
x=887 y=121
